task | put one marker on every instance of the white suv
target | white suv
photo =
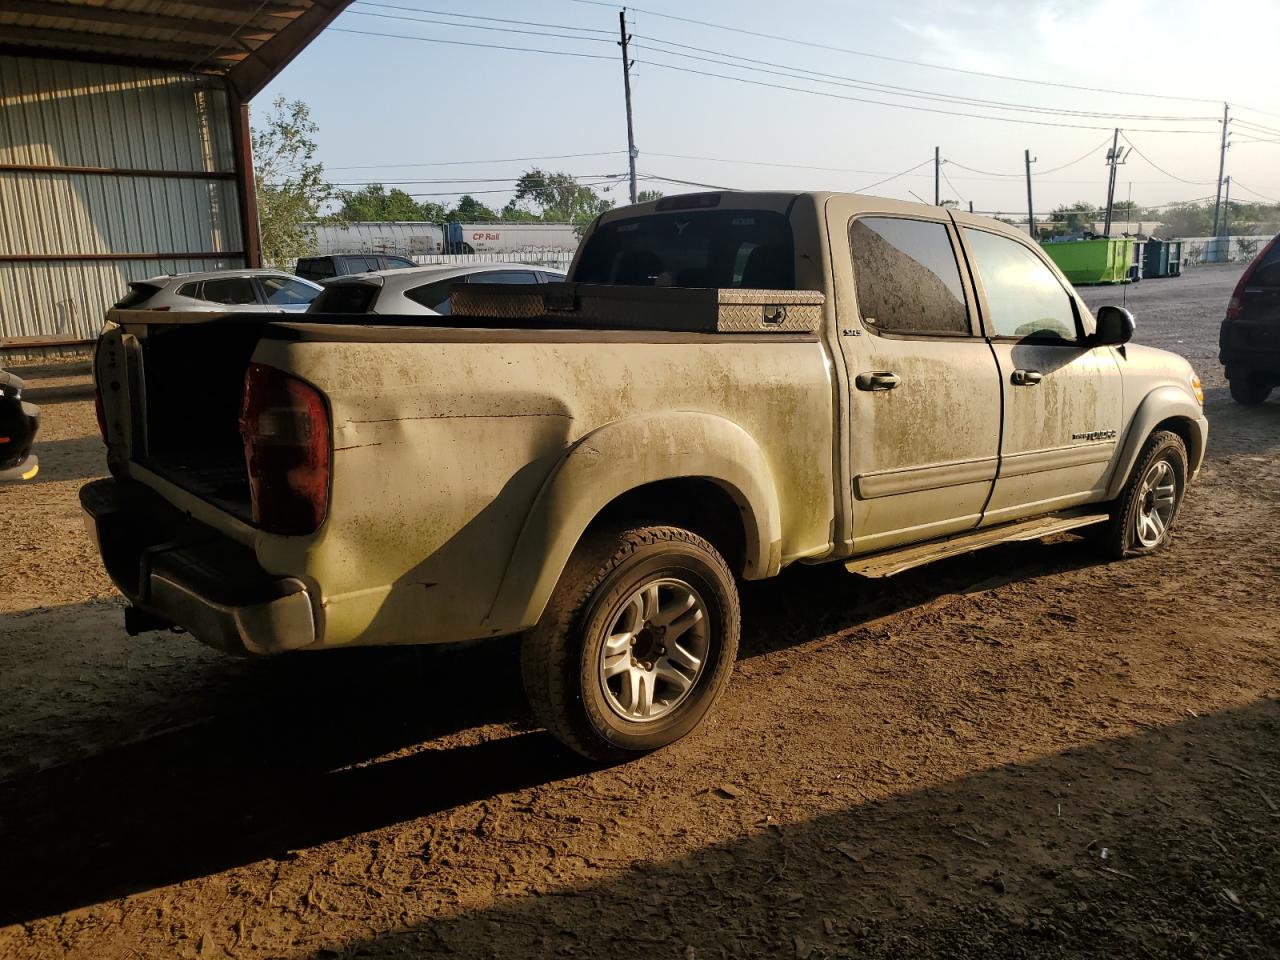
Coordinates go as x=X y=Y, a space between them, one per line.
x=261 y=291
x=421 y=290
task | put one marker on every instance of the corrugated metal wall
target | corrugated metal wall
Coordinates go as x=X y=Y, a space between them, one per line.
x=66 y=236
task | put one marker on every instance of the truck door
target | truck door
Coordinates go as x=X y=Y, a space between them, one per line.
x=1062 y=397
x=924 y=390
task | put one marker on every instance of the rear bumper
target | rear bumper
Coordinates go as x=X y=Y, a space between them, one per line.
x=187 y=574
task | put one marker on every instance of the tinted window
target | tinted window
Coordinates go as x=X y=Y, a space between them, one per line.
x=396 y=263
x=504 y=276
x=229 y=290
x=699 y=248
x=907 y=276
x=1024 y=298
x=434 y=296
x=138 y=293
x=191 y=290
x=1267 y=272
x=345 y=298
x=284 y=290
x=316 y=268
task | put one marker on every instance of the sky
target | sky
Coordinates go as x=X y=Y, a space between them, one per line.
x=405 y=111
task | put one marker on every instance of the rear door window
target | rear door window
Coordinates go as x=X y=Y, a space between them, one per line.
x=397 y=263
x=434 y=296
x=283 y=291
x=907 y=277
x=316 y=268
x=232 y=291
x=1024 y=298
x=695 y=248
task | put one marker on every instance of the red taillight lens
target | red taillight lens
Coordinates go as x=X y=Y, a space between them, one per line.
x=1236 y=304
x=285 y=427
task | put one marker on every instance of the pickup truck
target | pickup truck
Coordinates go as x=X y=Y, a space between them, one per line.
x=727 y=384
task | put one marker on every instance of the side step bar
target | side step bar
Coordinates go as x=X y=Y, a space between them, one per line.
x=888 y=562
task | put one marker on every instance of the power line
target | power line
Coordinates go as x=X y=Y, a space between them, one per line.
x=819 y=76
x=943 y=171
x=466 y=43
x=914 y=63
x=459 y=163
x=472 y=16
x=392 y=183
x=1197 y=183
x=1079 y=159
x=894 y=177
x=900 y=106
x=1237 y=183
x=477 y=26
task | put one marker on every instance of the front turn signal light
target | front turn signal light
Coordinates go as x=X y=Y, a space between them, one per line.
x=1197 y=389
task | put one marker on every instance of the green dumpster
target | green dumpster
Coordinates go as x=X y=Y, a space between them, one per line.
x=1092 y=261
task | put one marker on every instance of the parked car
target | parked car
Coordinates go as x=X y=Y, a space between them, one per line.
x=19 y=421
x=731 y=383
x=1249 y=340
x=420 y=291
x=222 y=290
x=339 y=265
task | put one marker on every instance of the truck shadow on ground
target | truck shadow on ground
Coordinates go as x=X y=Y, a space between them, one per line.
x=256 y=759
x=76 y=458
x=1154 y=845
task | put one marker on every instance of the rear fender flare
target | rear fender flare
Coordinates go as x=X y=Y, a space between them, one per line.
x=615 y=459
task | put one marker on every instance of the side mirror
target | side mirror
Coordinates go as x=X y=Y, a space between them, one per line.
x=1115 y=326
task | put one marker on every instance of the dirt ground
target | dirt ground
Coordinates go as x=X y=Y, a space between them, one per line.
x=1022 y=753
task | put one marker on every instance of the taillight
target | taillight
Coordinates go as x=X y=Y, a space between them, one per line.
x=285 y=427
x=1235 y=305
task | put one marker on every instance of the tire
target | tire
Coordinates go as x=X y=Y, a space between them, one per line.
x=1248 y=388
x=1128 y=533
x=632 y=583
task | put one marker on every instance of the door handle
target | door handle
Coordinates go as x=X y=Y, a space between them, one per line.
x=1026 y=378
x=876 y=380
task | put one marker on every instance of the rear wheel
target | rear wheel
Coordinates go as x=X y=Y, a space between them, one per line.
x=636 y=644
x=1143 y=516
x=1248 y=388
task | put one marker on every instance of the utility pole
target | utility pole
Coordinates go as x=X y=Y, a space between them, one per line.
x=626 y=85
x=1222 y=166
x=937 y=172
x=1226 y=221
x=1031 y=211
x=1113 y=161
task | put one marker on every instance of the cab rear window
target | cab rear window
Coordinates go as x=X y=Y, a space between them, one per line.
x=750 y=249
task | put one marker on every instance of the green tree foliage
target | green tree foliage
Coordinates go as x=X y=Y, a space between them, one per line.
x=291 y=187
x=558 y=197
x=1076 y=216
x=644 y=196
x=374 y=202
x=471 y=210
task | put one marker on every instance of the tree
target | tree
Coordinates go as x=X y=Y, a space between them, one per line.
x=1078 y=216
x=1186 y=220
x=558 y=196
x=373 y=202
x=644 y=196
x=470 y=210
x=290 y=183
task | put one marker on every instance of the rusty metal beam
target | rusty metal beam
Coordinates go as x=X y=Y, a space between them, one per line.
x=16 y=343
x=260 y=67
x=246 y=184
x=119 y=171
x=109 y=43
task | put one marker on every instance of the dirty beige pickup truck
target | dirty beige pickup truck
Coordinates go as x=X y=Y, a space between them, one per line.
x=729 y=383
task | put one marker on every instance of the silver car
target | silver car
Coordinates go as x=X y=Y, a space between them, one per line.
x=421 y=291
x=263 y=291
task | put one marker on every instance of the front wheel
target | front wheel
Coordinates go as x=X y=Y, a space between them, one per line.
x=1142 y=521
x=636 y=644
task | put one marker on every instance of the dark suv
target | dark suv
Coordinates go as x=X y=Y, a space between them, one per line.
x=341 y=264
x=19 y=421
x=1249 y=343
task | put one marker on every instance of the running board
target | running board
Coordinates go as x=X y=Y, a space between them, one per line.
x=889 y=562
